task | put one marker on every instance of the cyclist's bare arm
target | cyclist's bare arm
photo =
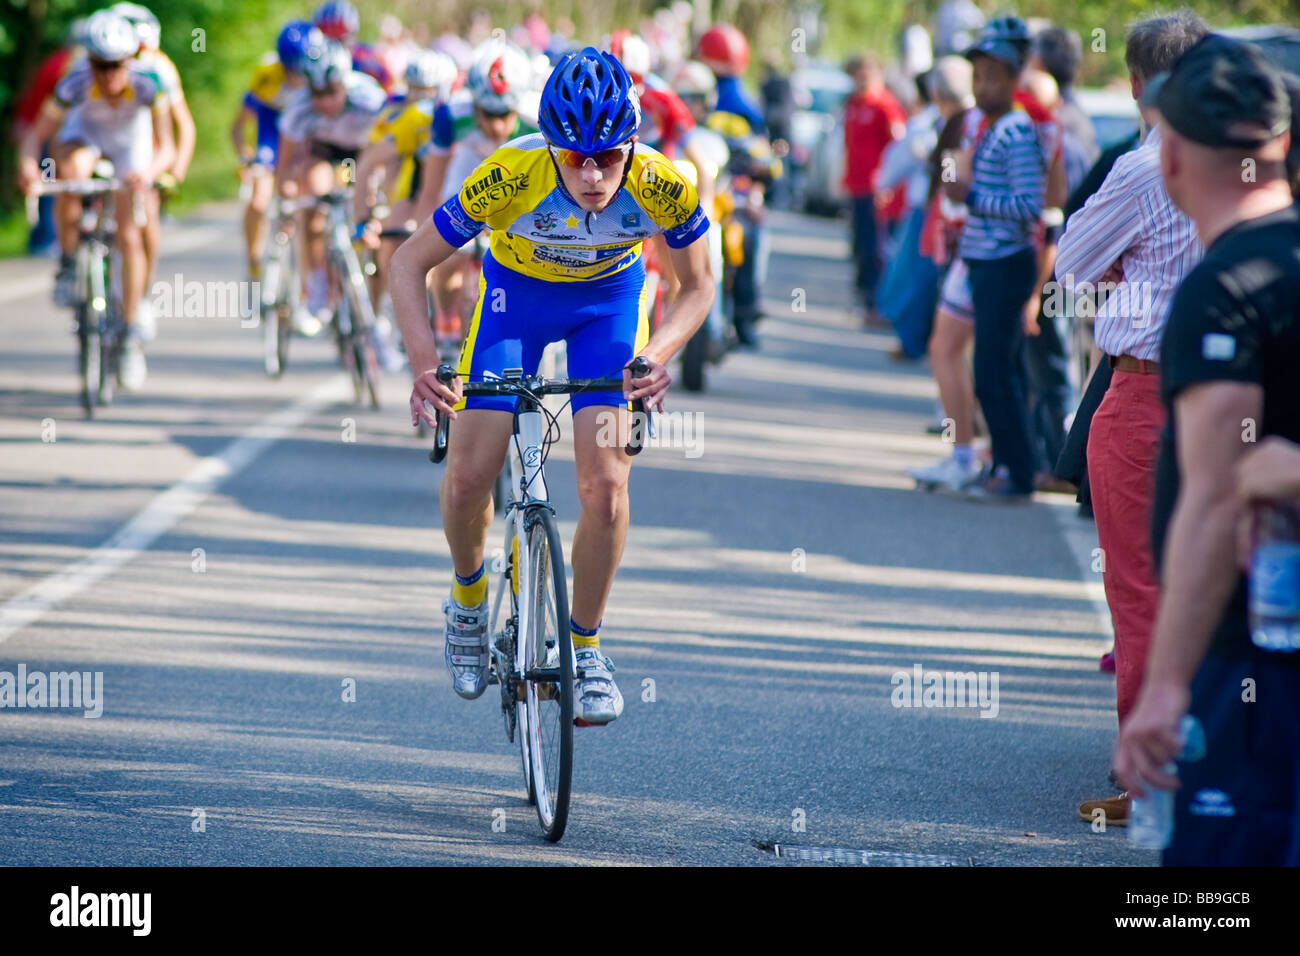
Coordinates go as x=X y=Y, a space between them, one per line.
x=239 y=133
x=29 y=152
x=186 y=136
x=164 y=156
x=289 y=155
x=411 y=262
x=432 y=177
x=686 y=314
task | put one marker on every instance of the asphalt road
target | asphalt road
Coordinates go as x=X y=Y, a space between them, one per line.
x=779 y=574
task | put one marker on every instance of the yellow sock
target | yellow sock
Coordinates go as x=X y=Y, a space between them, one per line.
x=470 y=591
x=582 y=637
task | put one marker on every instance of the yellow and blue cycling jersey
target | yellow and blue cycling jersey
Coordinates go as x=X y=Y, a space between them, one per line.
x=407 y=125
x=540 y=231
x=556 y=272
x=267 y=95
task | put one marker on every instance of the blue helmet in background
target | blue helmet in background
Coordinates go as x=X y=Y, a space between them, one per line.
x=589 y=103
x=296 y=42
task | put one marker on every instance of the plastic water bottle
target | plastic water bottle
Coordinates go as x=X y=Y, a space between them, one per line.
x=1151 y=818
x=1275 y=578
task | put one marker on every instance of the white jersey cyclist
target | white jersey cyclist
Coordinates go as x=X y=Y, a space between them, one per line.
x=350 y=130
x=122 y=133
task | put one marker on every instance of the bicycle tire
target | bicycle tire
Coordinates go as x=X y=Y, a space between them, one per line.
x=365 y=361
x=111 y=333
x=520 y=707
x=88 y=365
x=549 y=701
x=284 y=332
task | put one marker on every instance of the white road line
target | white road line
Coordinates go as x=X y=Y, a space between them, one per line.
x=164 y=511
x=173 y=243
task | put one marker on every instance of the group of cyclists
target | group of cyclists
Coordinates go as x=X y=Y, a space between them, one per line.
x=592 y=196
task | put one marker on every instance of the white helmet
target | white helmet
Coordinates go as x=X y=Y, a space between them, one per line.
x=500 y=74
x=331 y=65
x=146 y=24
x=635 y=55
x=693 y=78
x=430 y=69
x=541 y=70
x=110 y=37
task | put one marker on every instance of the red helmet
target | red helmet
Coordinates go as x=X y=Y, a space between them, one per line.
x=724 y=50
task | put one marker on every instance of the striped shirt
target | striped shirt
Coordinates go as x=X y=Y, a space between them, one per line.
x=1131 y=221
x=1006 y=196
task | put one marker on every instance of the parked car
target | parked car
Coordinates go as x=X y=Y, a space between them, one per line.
x=817 y=136
x=1114 y=114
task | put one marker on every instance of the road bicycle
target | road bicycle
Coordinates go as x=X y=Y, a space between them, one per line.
x=97 y=297
x=532 y=658
x=354 y=316
x=280 y=288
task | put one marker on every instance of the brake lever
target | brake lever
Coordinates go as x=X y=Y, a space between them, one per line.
x=442 y=423
x=639 y=367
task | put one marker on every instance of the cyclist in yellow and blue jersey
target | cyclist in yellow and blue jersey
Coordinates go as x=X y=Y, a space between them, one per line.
x=275 y=80
x=569 y=209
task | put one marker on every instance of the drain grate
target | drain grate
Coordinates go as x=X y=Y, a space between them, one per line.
x=857 y=857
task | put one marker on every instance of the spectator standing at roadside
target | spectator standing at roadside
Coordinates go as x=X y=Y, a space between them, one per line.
x=1001 y=181
x=1059 y=52
x=872 y=120
x=1229 y=356
x=1129 y=231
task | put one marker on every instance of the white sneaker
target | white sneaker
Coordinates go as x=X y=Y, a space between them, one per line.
x=133 y=369
x=145 y=325
x=947 y=475
x=305 y=323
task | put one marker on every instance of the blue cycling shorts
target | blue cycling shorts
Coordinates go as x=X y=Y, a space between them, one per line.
x=517 y=316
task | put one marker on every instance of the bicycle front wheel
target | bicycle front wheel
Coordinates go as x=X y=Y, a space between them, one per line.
x=548 y=680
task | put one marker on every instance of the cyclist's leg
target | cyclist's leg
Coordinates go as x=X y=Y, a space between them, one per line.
x=255 y=224
x=317 y=180
x=133 y=241
x=73 y=159
x=130 y=245
x=601 y=347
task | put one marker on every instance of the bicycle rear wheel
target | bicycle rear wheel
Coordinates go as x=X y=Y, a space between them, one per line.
x=548 y=679
x=88 y=362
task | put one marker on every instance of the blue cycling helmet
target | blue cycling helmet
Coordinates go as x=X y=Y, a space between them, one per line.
x=296 y=42
x=589 y=103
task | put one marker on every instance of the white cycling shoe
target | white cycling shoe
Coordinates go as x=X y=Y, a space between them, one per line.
x=132 y=370
x=466 y=650
x=596 y=697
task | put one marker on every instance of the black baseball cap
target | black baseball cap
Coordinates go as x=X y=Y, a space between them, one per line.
x=1004 y=51
x=1222 y=92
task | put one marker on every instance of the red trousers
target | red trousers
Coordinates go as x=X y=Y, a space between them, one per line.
x=1123 y=445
